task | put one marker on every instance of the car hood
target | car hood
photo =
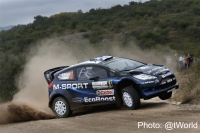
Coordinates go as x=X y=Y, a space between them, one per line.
x=150 y=69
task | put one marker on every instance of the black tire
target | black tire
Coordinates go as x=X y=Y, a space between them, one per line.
x=64 y=111
x=133 y=96
x=165 y=96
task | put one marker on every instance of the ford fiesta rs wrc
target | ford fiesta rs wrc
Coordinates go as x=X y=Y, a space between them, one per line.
x=107 y=80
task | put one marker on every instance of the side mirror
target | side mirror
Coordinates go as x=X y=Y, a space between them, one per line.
x=95 y=78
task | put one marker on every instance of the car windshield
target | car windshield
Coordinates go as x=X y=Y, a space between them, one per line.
x=124 y=64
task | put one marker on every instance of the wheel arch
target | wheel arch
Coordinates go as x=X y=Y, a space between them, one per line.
x=125 y=83
x=54 y=97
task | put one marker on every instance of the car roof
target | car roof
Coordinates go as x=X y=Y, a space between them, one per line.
x=96 y=60
x=102 y=60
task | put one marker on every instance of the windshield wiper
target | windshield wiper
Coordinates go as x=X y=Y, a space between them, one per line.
x=126 y=70
x=132 y=68
x=139 y=66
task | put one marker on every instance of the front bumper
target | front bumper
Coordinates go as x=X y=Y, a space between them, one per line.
x=153 y=93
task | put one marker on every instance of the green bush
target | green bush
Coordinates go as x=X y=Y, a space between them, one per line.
x=194 y=32
x=86 y=35
x=82 y=29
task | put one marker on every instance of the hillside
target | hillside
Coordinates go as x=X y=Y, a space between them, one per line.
x=172 y=23
x=6 y=27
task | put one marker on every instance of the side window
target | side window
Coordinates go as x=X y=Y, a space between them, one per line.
x=85 y=72
x=100 y=72
x=69 y=75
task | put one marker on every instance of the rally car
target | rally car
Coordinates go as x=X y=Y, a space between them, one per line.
x=107 y=80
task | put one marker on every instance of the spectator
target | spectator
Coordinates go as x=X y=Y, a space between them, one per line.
x=180 y=62
x=186 y=61
x=190 y=59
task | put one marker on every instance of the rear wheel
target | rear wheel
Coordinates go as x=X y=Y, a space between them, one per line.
x=130 y=98
x=61 y=107
x=165 y=96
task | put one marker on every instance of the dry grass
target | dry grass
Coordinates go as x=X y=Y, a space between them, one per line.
x=189 y=91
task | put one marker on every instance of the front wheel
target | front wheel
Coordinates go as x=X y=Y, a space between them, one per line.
x=61 y=107
x=130 y=98
x=165 y=96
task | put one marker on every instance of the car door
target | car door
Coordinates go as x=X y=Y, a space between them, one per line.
x=99 y=87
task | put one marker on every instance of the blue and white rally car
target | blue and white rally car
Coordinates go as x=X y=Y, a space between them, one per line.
x=107 y=80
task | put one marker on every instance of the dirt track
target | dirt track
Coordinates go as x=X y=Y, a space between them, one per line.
x=114 y=120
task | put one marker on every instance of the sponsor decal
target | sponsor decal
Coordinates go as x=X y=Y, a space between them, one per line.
x=168 y=81
x=148 y=82
x=89 y=68
x=98 y=99
x=162 y=83
x=102 y=84
x=110 y=85
x=65 y=76
x=105 y=92
x=68 y=86
x=77 y=100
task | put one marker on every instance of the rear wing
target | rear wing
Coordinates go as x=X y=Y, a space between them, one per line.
x=49 y=74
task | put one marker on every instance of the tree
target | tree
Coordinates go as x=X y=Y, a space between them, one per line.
x=196 y=10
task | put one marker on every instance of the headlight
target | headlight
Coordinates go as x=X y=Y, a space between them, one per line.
x=144 y=77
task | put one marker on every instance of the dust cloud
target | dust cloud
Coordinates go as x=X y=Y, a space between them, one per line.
x=31 y=102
